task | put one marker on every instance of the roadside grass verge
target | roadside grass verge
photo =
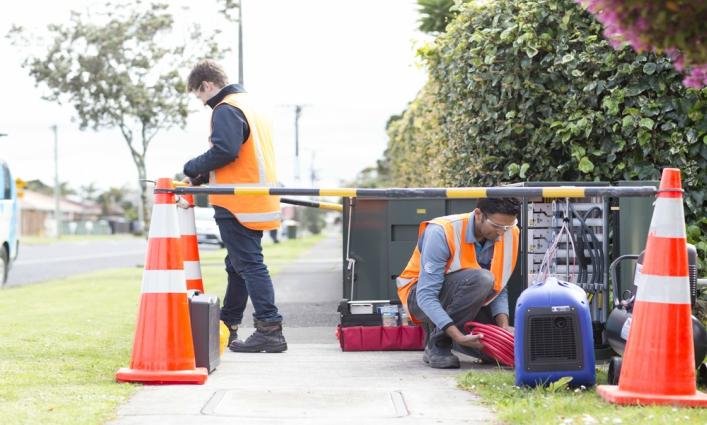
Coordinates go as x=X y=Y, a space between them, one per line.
x=565 y=406
x=62 y=341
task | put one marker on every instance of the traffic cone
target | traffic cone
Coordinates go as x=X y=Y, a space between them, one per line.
x=163 y=350
x=659 y=360
x=190 y=246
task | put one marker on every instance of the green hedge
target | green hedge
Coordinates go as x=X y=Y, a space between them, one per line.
x=529 y=90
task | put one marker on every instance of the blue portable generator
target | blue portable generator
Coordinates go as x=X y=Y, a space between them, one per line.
x=553 y=335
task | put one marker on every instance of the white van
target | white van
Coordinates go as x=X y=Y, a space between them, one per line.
x=9 y=221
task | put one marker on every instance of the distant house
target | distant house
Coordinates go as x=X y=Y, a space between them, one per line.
x=38 y=214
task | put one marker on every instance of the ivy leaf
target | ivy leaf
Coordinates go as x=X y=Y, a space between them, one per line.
x=649 y=68
x=523 y=169
x=627 y=122
x=567 y=58
x=513 y=169
x=646 y=123
x=585 y=165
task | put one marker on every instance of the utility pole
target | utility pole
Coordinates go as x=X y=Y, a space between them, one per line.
x=298 y=112
x=312 y=171
x=57 y=209
x=240 y=42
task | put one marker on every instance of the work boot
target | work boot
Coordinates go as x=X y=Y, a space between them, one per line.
x=266 y=338
x=232 y=332
x=438 y=352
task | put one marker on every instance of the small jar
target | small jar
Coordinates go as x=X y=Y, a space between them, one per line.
x=389 y=315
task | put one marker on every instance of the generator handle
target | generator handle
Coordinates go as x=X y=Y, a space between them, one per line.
x=614 y=281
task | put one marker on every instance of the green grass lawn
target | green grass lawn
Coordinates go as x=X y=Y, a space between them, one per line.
x=61 y=342
x=565 y=406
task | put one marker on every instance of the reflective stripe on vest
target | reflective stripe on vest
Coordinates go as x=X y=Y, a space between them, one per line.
x=463 y=255
x=254 y=166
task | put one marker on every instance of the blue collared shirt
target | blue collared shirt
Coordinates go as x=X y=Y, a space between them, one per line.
x=434 y=254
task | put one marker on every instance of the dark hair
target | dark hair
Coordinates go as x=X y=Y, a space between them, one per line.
x=206 y=70
x=507 y=206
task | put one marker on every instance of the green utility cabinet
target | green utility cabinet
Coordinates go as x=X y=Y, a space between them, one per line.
x=382 y=239
x=634 y=219
x=379 y=236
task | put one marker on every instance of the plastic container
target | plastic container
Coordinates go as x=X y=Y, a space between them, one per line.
x=404 y=317
x=389 y=315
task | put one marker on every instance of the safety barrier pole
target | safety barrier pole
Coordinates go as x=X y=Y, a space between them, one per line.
x=453 y=192
x=313 y=204
x=291 y=201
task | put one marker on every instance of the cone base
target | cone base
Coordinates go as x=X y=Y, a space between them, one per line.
x=613 y=394
x=196 y=376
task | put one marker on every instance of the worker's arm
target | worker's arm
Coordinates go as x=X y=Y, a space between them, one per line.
x=229 y=130
x=499 y=310
x=433 y=261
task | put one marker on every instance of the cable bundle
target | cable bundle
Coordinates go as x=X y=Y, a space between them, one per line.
x=498 y=342
x=587 y=239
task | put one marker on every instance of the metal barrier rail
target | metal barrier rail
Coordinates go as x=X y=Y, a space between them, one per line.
x=313 y=204
x=455 y=192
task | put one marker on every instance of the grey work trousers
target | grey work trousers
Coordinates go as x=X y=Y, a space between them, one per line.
x=462 y=296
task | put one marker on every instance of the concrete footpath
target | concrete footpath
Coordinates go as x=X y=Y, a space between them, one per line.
x=313 y=382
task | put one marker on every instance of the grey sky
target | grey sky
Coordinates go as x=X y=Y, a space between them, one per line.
x=352 y=62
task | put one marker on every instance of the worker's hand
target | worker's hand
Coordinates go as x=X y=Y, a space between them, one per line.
x=510 y=329
x=197 y=181
x=471 y=341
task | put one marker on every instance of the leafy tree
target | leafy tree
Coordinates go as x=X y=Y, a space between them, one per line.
x=40 y=187
x=436 y=14
x=88 y=192
x=119 y=70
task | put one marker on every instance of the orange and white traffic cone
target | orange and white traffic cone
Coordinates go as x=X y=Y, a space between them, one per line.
x=163 y=349
x=190 y=246
x=659 y=361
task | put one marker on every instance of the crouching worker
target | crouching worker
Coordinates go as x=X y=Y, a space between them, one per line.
x=458 y=273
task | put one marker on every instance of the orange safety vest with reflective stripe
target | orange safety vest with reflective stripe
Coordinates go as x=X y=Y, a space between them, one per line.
x=255 y=166
x=462 y=255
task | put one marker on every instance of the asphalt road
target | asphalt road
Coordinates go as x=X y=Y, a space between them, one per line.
x=38 y=263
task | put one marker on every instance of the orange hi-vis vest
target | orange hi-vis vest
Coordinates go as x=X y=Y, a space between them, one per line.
x=463 y=256
x=255 y=166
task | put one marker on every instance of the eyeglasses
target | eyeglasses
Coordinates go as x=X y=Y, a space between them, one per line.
x=500 y=226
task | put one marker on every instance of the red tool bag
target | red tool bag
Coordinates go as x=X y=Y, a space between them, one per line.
x=380 y=338
x=361 y=329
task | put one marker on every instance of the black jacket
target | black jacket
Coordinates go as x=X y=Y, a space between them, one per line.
x=229 y=130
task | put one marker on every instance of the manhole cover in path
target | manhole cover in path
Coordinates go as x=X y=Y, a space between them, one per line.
x=306 y=403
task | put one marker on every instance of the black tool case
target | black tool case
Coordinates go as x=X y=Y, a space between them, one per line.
x=205 y=321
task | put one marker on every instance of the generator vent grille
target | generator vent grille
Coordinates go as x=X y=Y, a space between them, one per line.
x=553 y=338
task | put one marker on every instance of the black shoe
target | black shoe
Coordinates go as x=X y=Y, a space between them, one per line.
x=438 y=351
x=232 y=332
x=440 y=359
x=266 y=338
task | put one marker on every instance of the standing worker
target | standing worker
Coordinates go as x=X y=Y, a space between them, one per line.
x=241 y=153
x=458 y=273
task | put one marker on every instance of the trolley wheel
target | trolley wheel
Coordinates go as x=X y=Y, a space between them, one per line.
x=614 y=370
x=702 y=374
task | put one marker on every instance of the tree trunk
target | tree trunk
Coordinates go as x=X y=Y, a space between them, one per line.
x=142 y=175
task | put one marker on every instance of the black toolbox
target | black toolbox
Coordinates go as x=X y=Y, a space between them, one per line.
x=205 y=321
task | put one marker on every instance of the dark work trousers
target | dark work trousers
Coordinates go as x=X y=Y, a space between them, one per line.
x=462 y=296
x=247 y=274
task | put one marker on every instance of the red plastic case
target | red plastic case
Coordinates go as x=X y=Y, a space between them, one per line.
x=380 y=338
